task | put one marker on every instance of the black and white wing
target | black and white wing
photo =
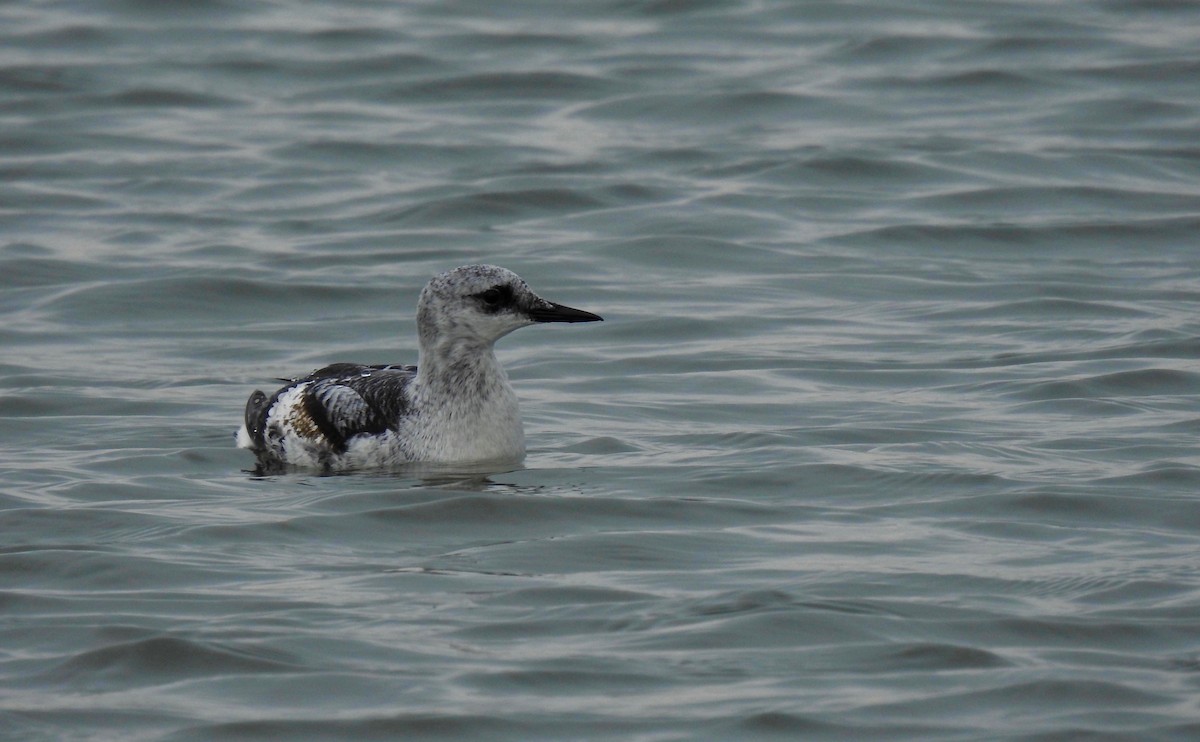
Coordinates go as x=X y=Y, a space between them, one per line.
x=331 y=405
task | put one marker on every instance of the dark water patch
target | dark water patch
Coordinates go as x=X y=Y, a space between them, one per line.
x=675 y=8
x=751 y=440
x=1061 y=199
x=1136 y=593
x=344 y=151
x=93 y=569
x=723 y=109
x=1156 y=8
x=982 y=78
x=45 y=79
x=986 y=86
x=490 y=207
x=506 y=86
x=800 y=485
x=44 y=403
x=520 y=41
x=188 y=10
x=165 y=98
x=1169 y=475
x=1152 y=382
x=1044 y=309
x=602 y=445
x=1078 y=407
x=24 y=250
x=351 y=36
x=164 y=658
x=849 y=434
x=794 y=725
x=67 y=36
x=166 y=188
x=504 y=521
x=17 y=199
x=30 y=144
x=27 y=719
x=319 y=74
x=565 y=596
x=149 y=301
x=673 y=254
x=744 y=602
x=587 y=552
x=1044 y=45
x=941 y=658
x=56 y=529
x=1128 y=635
x=1162 y=73
x=1122 y=111
x=1098 y=235
x=417 y=726
x=42 y=271
x=1040 y=698
x=1187 y=663
x=1137 y=349
x=1086 y=504
x=576 y=680
x=899 y=47
x=848 y=171
x=753 y=631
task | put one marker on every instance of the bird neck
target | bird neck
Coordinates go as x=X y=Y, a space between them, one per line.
x=459 y=367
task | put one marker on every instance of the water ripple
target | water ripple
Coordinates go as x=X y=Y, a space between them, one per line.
x=889 y=431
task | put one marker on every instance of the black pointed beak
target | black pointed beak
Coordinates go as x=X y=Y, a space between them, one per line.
x=548 y=311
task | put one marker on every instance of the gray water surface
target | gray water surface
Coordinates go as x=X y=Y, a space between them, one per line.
x=890 y=431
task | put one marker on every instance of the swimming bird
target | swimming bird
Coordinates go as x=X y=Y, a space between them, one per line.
x=455 y=405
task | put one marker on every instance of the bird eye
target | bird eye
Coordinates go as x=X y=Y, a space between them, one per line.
x=496 y=298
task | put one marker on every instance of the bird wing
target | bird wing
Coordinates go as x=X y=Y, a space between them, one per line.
x=338 y=402
x=345 y=400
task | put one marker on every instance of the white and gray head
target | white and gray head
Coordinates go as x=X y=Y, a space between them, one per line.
x=479 y=304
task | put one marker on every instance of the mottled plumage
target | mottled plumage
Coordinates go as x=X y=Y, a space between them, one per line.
x=456 y=405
